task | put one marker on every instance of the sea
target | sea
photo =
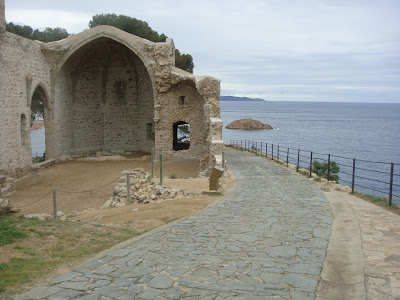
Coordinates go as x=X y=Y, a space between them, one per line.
x=366 y=132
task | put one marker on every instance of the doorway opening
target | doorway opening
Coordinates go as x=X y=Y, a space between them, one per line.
x=37 y=125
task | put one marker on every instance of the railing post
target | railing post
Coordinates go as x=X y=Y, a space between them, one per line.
x=329 y=165
x=391 y=184
x=311 y=165
x=298 y=160
x=287 y=158
x=256 y=149
x=261 y=149
x=354 y=176
x=277 y=157
x=241 y=145
x=245 y=145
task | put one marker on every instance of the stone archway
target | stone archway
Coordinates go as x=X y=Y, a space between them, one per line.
x=103 y=100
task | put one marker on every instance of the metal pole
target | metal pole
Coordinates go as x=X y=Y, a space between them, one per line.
x=161 y=169
x=287 y=158
x=354 y=176
x=54 y=205
x=277 y=157
x=245 y=143
x=391 y=184
x=128 y=188
x=241 y=145
x=256 y=149
x=298 y=160
x=329 y=165
x=311 y=164
x=152 y=162
x=266 y=150
x=272 y=155
x=261 y=149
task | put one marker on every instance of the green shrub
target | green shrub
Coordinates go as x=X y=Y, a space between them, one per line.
x=321 y=169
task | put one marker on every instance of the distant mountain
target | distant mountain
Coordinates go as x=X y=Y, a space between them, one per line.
x=233 y=98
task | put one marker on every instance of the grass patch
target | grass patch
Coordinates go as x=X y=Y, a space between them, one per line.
x=304 y=173
x=382 y=202
x=172 y=220
x=37 y=248
x=9 y=233
x=172 y=176
x=317 y=179
x=211 y=193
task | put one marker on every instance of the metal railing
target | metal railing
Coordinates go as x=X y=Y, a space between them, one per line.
x=353 y=172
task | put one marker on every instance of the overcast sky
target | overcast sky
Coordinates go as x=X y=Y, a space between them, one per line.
x=306 y=50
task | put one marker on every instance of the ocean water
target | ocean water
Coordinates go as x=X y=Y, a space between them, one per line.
x=38 y=142
x=364 y=131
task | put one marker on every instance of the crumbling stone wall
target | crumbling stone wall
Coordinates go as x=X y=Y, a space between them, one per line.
x=190 y=111
x=23 y=68
x=104 y=89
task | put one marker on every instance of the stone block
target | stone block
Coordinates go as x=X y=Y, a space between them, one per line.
x=216 y=173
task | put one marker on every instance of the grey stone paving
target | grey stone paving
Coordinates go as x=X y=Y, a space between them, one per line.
x=267 y=239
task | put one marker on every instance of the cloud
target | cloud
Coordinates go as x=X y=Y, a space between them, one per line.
x=74 y=22
x=286 y=50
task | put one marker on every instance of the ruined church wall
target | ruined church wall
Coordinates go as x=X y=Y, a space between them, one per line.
x=23 y=67
x=192 y=112
x=108 y=99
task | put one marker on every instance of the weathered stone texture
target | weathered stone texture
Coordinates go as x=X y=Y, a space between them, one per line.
x=19 y=59
x=2 y=17
x=104 y=89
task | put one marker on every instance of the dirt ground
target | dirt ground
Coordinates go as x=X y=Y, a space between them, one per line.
x=84 y=185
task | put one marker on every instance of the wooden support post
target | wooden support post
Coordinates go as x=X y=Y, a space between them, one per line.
x=54 y=205
x=152 y=162
x=128 y=188
x=161 y=169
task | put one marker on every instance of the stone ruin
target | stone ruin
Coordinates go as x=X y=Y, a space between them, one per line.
x=142 y=190
x=104 y=90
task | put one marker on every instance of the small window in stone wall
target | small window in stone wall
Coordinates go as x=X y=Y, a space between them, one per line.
x=181 y=136
x=24 y=130
x=120 y=92
x=149 y=131
x=181 y=100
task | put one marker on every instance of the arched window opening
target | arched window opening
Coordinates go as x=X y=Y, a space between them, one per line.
x=37 y=125
x=181 y=136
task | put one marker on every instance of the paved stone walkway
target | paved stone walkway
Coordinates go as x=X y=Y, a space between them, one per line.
x=266 y=239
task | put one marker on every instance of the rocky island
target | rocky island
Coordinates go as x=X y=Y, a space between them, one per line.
x=248 y=124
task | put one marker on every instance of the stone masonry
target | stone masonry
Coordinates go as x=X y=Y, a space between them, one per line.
x=103 y=89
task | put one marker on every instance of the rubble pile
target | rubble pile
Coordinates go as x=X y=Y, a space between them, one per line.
x=142 y=190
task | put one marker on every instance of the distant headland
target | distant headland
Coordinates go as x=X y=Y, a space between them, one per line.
x=234 y=98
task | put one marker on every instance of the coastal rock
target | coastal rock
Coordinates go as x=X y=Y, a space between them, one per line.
x=248 y=124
